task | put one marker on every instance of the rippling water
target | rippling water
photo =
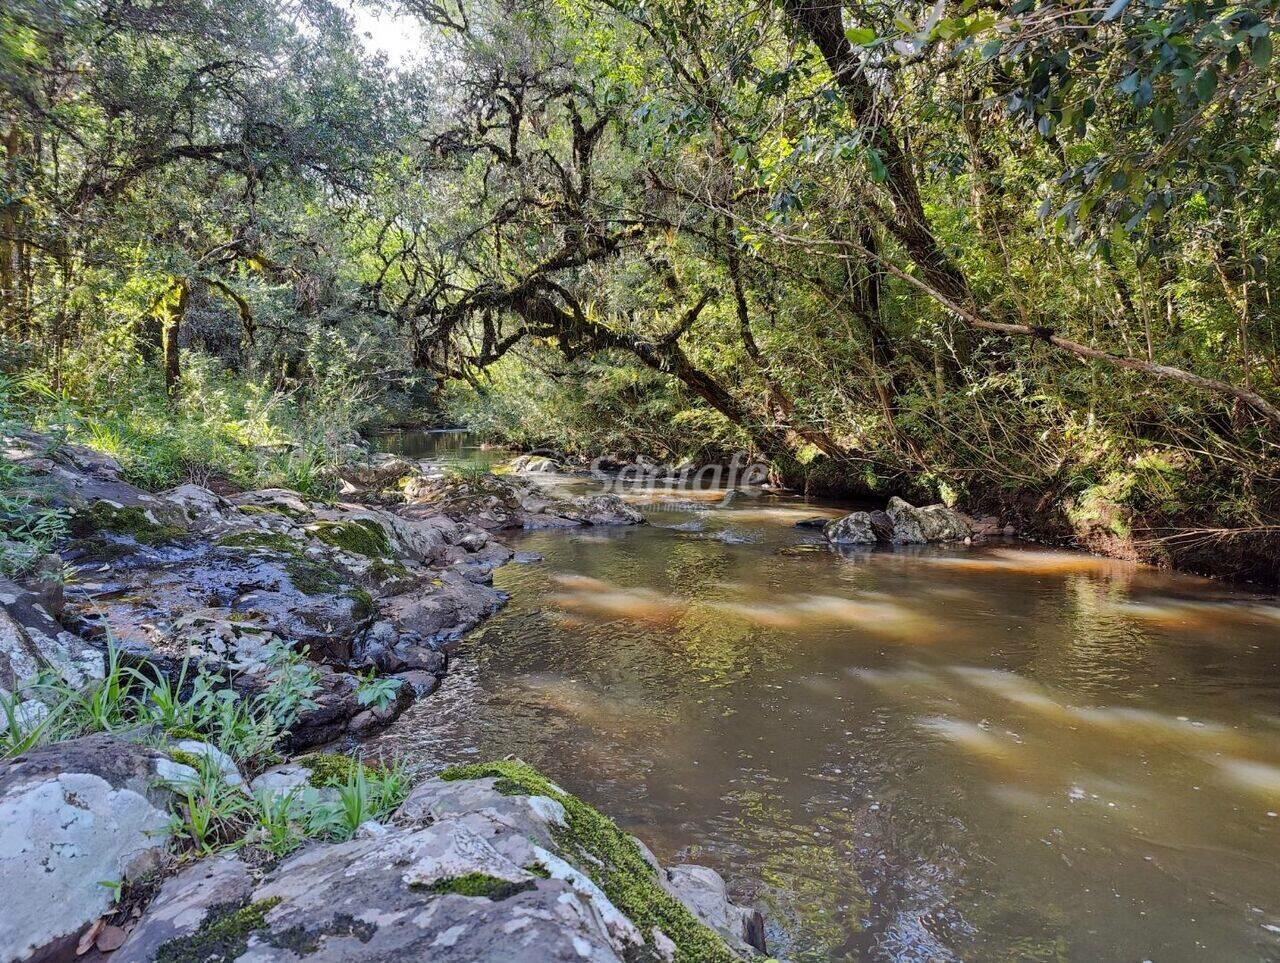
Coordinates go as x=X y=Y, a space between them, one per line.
x=997 y=753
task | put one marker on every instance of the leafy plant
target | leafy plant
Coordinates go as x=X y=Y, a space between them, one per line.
x=377 y=691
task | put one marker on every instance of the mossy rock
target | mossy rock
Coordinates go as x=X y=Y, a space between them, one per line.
x=311 y=577
x=362 y=604
x=331 y=768
x=223 y=936
x=184 y=758
x=132 y=521
x=480 y=885
x=359 y=537
x=271 y=541
x=384 y=571
x=612 y=859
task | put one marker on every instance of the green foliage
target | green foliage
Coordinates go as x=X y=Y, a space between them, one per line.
x=377 y=691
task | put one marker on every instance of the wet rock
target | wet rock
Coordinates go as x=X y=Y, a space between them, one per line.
x=934 y=523
x=852 y=529
x=423 y=683
x=184 y=903
x=445 y=608
x=702 y=889
x=818 y=522
x=75 y=818
x=224 y=603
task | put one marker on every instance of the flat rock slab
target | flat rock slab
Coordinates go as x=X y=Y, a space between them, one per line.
x=76 y=819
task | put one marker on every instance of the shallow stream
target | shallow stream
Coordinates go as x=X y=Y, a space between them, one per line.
x=995 y=753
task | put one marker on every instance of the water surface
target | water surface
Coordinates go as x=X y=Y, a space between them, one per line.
x=997 y=753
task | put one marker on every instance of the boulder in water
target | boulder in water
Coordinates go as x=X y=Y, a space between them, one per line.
x=935 y=523
x=852 y=529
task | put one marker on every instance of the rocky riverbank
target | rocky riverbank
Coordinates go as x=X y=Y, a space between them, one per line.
x=204 y=640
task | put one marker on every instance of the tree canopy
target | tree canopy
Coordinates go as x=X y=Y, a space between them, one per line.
x=1015 y=252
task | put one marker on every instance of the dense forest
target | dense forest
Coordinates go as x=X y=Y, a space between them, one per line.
x=1016 y=256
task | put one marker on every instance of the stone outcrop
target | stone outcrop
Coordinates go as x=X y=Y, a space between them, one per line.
x=190 y=575
x=31 y=641
x=497 y=502
x=933 y=523
x=77 y=820
x=469 y=869
x=900 y=524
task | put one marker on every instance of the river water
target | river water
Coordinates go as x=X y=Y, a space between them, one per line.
x=995 y=753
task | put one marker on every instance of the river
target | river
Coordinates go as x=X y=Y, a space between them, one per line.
x=988 y=753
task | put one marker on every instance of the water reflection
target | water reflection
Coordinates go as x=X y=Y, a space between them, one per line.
x=999 y=754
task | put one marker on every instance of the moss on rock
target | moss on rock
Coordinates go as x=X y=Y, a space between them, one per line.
x=359 y=537
x=612 y=859
x=480 y=885
x=332 y=768
x=272 y=541
x=132 y=521
x=184 y=758
x=223 y=936
x=362 y=603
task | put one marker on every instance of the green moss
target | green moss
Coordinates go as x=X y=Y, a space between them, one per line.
x=480 y=885
x=383 y=571
x=360 y=537
x=184 y=758
x=330 y=768
x=307 y=575
x=273 y=541
x=132 y=521
x=612 y=859
x=184 y=732
x=363 y=605
x=223 y=936
x=538 y=870
x=312 y=578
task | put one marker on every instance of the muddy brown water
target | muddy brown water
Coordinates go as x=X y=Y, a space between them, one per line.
x=996 y=753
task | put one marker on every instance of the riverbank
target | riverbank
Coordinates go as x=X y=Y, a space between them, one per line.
x=158 y=701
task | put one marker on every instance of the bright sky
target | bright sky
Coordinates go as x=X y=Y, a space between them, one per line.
x=400 y=38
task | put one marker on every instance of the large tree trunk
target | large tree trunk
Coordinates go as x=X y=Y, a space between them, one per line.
x=12 y=245
x=823 y=22
x=173 y=311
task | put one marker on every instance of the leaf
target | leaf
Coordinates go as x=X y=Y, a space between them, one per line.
x=1206 y=84
x=1260 y=51
x=878 y=171
x=1117 y=7
x=862 y=36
